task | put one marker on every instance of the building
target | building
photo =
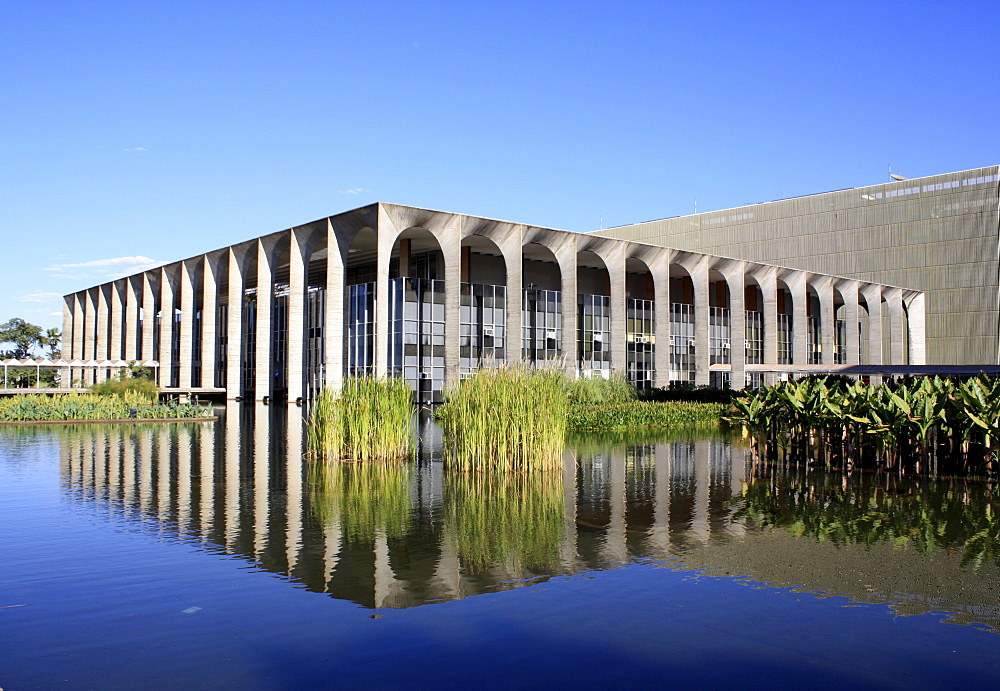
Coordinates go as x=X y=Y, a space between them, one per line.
x=431 y=296
x=939 y=235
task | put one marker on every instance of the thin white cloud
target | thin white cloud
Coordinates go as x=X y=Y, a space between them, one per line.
x=353 y=190
x=39 y=296
x=111 y=267
x=138 y=148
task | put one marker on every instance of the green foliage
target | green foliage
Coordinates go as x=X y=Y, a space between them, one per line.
x=506 y=417
x=645 y=414
x=689 y=394
x=78 y=406
x=589 y=391
x=911 y=414
x=142 y=388
x=22 y=335
x=368 y=419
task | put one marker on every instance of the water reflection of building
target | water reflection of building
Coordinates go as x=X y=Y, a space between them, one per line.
x=241 y=487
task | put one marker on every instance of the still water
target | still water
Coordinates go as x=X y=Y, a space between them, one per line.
x=213 y=555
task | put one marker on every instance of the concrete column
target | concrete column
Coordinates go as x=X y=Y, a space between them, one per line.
x=78 y=302
x=702 y=355
x=736 y=280
x=186 y=351
x=149 y=309
x=769 y=293
x=566 y=256
x=852 y=333
x=265 y=298
x=298 y=266
x=662 y=327
x=512 y=248
x=797 y=283
x=894 y=297
x=103 y=324
x=90 y=334
x=118 y=297
x=67 y=328
x=166 y=356
x=615 y=263
x=918 y=330
x=387 y=233
x=132 y=301
x=827 y=319
x=209 y=313
x=333 y=328
x=234 y=326
x=450 y=239
x=873 y=296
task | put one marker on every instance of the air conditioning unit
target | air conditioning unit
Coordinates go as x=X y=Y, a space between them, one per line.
x=598 y=337
x=425 y=375
x=642 y=339
x=726 y=345
x=488 y=331
x=550 y=334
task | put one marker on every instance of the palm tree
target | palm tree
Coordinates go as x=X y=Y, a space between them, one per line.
x=51 y=341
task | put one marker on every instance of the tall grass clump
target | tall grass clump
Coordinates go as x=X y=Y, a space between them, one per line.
x=510 y=418
x=142 y=389
x=614 y=390
x=367 y=420
x=79 y=406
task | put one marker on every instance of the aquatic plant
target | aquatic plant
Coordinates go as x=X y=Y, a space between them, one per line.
x=367 y=419
x=80 y=406
x=510 y=418
x=922 y=424
x=143 y=388
x=645 y=414
x=592 y=391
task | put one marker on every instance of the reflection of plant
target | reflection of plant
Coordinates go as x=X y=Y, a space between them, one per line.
x=511 y=418
x=869 y=511
x=368 y=419
x=365 y=499
x=509 y=519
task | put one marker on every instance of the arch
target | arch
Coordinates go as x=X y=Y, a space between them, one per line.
x=542 y=305
x=682 y=325
x=483 y=333
x=640 y=323
x=594 y=337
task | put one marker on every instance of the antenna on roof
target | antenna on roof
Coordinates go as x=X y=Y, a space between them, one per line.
x=895 y=177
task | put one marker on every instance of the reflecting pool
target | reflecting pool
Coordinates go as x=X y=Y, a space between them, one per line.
x=215 y=554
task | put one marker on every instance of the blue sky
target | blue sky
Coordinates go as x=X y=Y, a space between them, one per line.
x=136 y=133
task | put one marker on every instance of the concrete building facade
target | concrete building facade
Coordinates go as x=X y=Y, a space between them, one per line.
x=431 y=296
x=939 y=235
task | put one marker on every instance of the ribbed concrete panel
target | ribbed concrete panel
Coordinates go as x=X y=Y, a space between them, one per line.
x=936 y=234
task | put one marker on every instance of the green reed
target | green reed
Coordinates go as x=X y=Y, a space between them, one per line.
x=514 y=520
x=368 y=419
x=592 y=391
x=510 y=418
x=645 y=414
x=81 y=406
x=364 y=499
